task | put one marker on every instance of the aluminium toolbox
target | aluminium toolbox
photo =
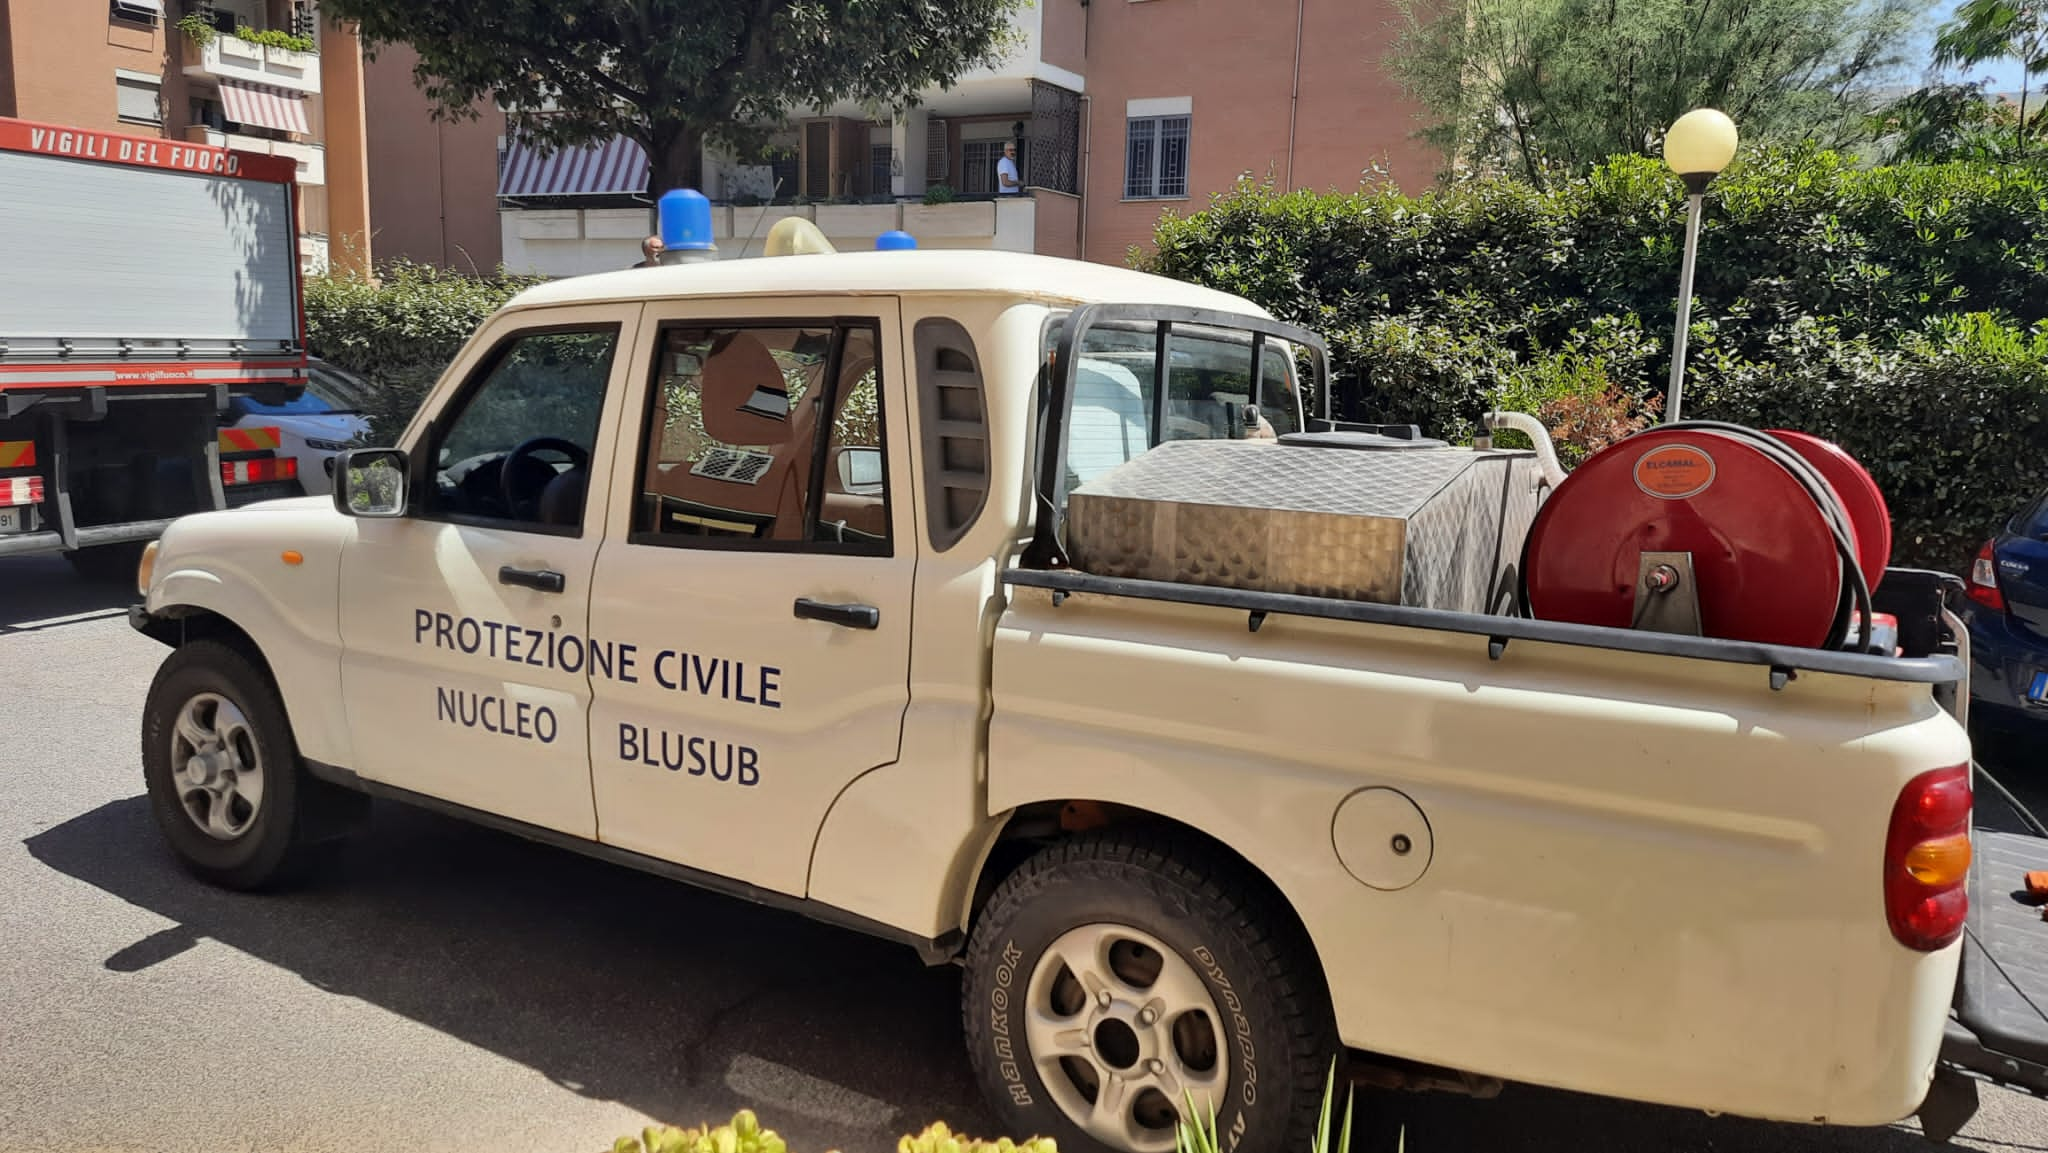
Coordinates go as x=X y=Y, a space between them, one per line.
x=1351 y=517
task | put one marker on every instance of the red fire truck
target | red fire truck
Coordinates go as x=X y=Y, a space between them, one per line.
x=143 y=283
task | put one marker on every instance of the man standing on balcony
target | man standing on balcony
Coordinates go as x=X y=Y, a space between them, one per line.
x=1008 y=183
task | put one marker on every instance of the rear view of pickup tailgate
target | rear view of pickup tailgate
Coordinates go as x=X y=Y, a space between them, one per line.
x=1622 y=872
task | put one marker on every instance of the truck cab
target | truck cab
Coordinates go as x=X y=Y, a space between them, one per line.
x=739 y=573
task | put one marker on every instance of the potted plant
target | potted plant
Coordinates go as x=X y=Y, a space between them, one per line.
x=197 y=25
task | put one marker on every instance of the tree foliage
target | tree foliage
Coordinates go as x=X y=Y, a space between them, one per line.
x=1549 y=87
x=1986 y=30
x=672 y=74
x=1950 y=121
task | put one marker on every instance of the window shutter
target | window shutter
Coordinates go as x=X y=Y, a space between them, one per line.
x=935 y=159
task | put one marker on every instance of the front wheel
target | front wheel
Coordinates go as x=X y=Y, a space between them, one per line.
x=1113 y=979
x=223 y=771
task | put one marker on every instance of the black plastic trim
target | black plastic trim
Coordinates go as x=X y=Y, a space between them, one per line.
x=932 y=336
x=1931 y=670
x=934 y=950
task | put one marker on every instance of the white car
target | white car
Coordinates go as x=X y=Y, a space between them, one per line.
x=312 y=429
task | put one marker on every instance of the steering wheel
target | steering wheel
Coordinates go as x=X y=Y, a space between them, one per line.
x=522 y=476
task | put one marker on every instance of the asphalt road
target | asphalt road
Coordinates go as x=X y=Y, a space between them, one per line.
x=443 y=987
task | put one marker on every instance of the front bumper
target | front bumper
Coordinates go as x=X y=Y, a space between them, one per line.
x=163 y=630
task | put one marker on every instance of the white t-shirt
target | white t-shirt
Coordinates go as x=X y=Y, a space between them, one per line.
x=1008 y=167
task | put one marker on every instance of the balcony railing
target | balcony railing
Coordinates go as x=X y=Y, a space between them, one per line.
x=311 y=158
x=233 y=58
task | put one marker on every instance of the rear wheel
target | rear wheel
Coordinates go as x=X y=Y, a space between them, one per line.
x=1112 y=979
x=223 y=772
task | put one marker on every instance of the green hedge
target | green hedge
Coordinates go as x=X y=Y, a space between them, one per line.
x=400 y=332
x=1897 y=310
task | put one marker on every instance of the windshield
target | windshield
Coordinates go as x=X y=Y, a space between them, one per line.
x=313 y=401
x=1210 y=391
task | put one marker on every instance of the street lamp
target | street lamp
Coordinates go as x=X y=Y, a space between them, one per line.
x=1697 y=147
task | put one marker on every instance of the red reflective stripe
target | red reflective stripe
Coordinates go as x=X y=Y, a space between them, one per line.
x=21 y=490
x=249 y=439
x=267 y=471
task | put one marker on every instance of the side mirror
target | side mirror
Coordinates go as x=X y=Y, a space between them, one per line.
x=370 y=482
x=860 y=468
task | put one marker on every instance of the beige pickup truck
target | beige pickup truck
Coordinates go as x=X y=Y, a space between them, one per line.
x=799 y=579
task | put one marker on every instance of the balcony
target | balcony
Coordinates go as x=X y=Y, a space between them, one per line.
x=233 y=58
x=311 y=158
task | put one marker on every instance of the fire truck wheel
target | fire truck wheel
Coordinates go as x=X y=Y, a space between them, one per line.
x=1114 y=977
x=108 y=563
x=223 y=771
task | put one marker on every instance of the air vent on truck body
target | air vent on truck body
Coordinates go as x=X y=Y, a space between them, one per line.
x=954 y=413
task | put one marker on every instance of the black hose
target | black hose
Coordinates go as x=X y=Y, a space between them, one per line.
x=1830 y=506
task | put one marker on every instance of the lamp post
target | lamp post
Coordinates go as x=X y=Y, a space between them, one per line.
x=1697 y=147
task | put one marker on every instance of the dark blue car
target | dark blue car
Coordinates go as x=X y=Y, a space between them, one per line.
x=2008 y=617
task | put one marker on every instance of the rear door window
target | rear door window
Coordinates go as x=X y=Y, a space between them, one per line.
x=2033 y=520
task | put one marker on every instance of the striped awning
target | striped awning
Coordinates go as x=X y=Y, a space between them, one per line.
x=617 y=166
x=263 y=105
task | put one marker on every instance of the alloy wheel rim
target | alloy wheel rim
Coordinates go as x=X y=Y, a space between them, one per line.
x=1124 y=1033
x=217 y=767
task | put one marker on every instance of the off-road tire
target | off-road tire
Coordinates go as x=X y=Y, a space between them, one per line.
x=1230 y=927
x=296 y=813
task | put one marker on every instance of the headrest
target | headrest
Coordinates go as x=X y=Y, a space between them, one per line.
x=746 y=399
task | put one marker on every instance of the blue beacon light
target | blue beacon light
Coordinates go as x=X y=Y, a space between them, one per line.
x=895 y=240
x=685 y=229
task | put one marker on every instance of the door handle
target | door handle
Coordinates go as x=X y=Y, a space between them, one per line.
x=546 y=580
x=851 y=616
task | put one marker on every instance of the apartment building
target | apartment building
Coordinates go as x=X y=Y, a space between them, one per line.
x=1119 y=110
x=266 y=76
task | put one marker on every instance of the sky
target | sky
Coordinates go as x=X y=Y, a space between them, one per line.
x=2004 y=74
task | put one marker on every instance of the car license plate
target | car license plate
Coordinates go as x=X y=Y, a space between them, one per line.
x=2038 y=691
x=10 y=520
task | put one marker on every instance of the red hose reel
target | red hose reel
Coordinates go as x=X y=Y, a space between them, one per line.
x=1772 y=537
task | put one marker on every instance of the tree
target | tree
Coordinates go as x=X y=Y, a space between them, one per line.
x=1943 y=122
x=674 y=74
x=1999 y=30
x=1540 y=86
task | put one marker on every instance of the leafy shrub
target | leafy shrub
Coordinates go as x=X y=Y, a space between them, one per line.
x=275 y=38
x=399 y=333
x=1895 y=310
x=939 y=194
x=197 y=28
x=744 y=1134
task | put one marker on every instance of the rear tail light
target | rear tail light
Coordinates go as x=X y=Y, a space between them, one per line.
x=21 y=490
x=1927 y=859
x=269 y=470
x=1984 y=580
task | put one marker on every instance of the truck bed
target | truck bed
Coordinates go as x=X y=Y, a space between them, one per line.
x=1923 y=664
x=2000 y=1028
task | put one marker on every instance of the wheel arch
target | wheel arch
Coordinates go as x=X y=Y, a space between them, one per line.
x=1031 y=827
x=304 y=670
